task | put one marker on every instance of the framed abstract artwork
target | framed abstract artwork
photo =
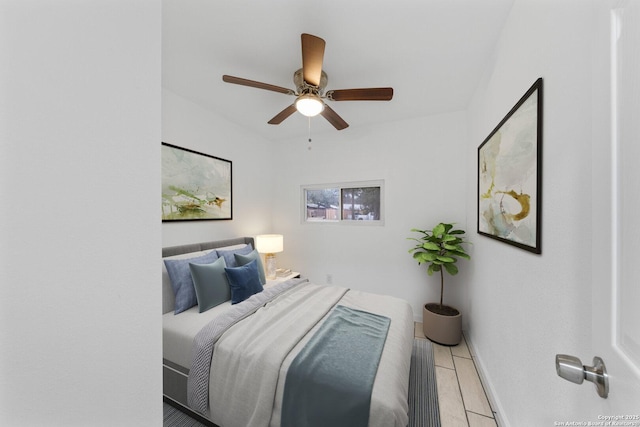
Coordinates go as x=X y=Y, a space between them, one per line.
x=510 y=175
x=195 y=186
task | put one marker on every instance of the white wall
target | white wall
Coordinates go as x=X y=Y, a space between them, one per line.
x=80 y=340
x=188 y=125
x=422 y=163
x=80 y=226
x=525 y=308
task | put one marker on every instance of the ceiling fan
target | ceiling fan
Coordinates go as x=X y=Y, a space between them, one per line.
x=310 y=82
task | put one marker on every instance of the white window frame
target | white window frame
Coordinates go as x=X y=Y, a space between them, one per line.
x=341 y=186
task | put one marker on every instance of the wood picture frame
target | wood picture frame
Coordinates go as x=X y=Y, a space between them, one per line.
x=510 y=175
x=195 y=186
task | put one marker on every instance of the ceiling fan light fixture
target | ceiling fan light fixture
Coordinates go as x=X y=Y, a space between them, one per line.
x=309 y=105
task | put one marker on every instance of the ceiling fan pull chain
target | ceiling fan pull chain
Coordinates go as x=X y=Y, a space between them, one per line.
x=309 y=148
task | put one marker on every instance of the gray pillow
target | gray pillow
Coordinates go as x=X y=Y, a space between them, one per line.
x=229 y=257
x=181 y=280
x=246 y=259
x=211 y=285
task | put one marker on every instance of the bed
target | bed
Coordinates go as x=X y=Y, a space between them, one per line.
x=284 y=354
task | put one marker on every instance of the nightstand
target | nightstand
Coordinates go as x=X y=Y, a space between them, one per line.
x=277 y=280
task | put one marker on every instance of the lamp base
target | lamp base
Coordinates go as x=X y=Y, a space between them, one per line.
x=270 y=266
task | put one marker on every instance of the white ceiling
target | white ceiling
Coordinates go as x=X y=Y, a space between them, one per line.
x=432 y=52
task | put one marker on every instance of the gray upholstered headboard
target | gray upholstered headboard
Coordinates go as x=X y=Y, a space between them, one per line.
x=168 y=299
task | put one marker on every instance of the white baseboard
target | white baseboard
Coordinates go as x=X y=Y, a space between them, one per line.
x=494 y=401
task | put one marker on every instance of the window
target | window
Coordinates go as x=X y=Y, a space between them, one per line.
x=353 y=202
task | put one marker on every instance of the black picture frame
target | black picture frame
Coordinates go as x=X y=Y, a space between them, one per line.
x=195 y=186
x=510 y=175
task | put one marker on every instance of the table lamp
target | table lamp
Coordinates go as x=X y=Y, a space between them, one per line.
x=270 y=244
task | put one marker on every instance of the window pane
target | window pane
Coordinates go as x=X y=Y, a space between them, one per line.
x=361 y=204
x=323 y=204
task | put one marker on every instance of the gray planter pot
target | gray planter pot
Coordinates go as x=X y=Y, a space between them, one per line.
x=442 y=329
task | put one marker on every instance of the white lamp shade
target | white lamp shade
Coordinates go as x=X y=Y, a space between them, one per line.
x=269 y=243
x=309 y=105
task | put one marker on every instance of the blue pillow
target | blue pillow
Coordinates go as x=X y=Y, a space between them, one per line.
x=244 y=281
x=229 y=257
x=246 y=259
x=210 y=282
x=181 y=280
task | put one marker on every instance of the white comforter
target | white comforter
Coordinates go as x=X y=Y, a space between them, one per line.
x=250 y=360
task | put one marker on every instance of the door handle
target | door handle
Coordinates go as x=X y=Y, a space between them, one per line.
x=571 y=369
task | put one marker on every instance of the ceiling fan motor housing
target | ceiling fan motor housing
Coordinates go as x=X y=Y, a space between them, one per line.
x=303 y=87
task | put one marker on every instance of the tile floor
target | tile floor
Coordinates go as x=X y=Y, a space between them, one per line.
x=461 y=396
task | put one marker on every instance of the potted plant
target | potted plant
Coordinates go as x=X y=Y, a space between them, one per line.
x=440 y=248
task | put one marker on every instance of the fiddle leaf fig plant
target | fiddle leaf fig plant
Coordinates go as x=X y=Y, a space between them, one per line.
x=440 y=248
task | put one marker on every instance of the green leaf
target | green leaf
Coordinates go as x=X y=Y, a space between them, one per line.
x=438 y=229
x=432 y=269
x=449 y=247
x=420 y=231
x=449 y=238
x=456 y=232
x=461 y=254
x=429 y=256
x=446 y=259
x=419 y=256
x=451 y=269
x=430 y=246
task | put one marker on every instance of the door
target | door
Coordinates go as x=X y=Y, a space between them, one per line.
x=616 y=205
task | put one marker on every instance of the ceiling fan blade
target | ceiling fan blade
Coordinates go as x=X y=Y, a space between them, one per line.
x=366 y=94
x=312 y=56
x=259 y=85
x=333 y=118
x=279 y=118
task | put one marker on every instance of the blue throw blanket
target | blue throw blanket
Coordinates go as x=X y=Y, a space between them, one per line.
x=329 y=383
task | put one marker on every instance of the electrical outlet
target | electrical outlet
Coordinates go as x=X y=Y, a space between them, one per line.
x=329 y=279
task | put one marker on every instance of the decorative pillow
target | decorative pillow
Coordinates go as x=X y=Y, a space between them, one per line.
x=181 y=280
x=246 y=259
x=244 y=281
x=210 y=283
x=229 y=257
x=168 y=296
